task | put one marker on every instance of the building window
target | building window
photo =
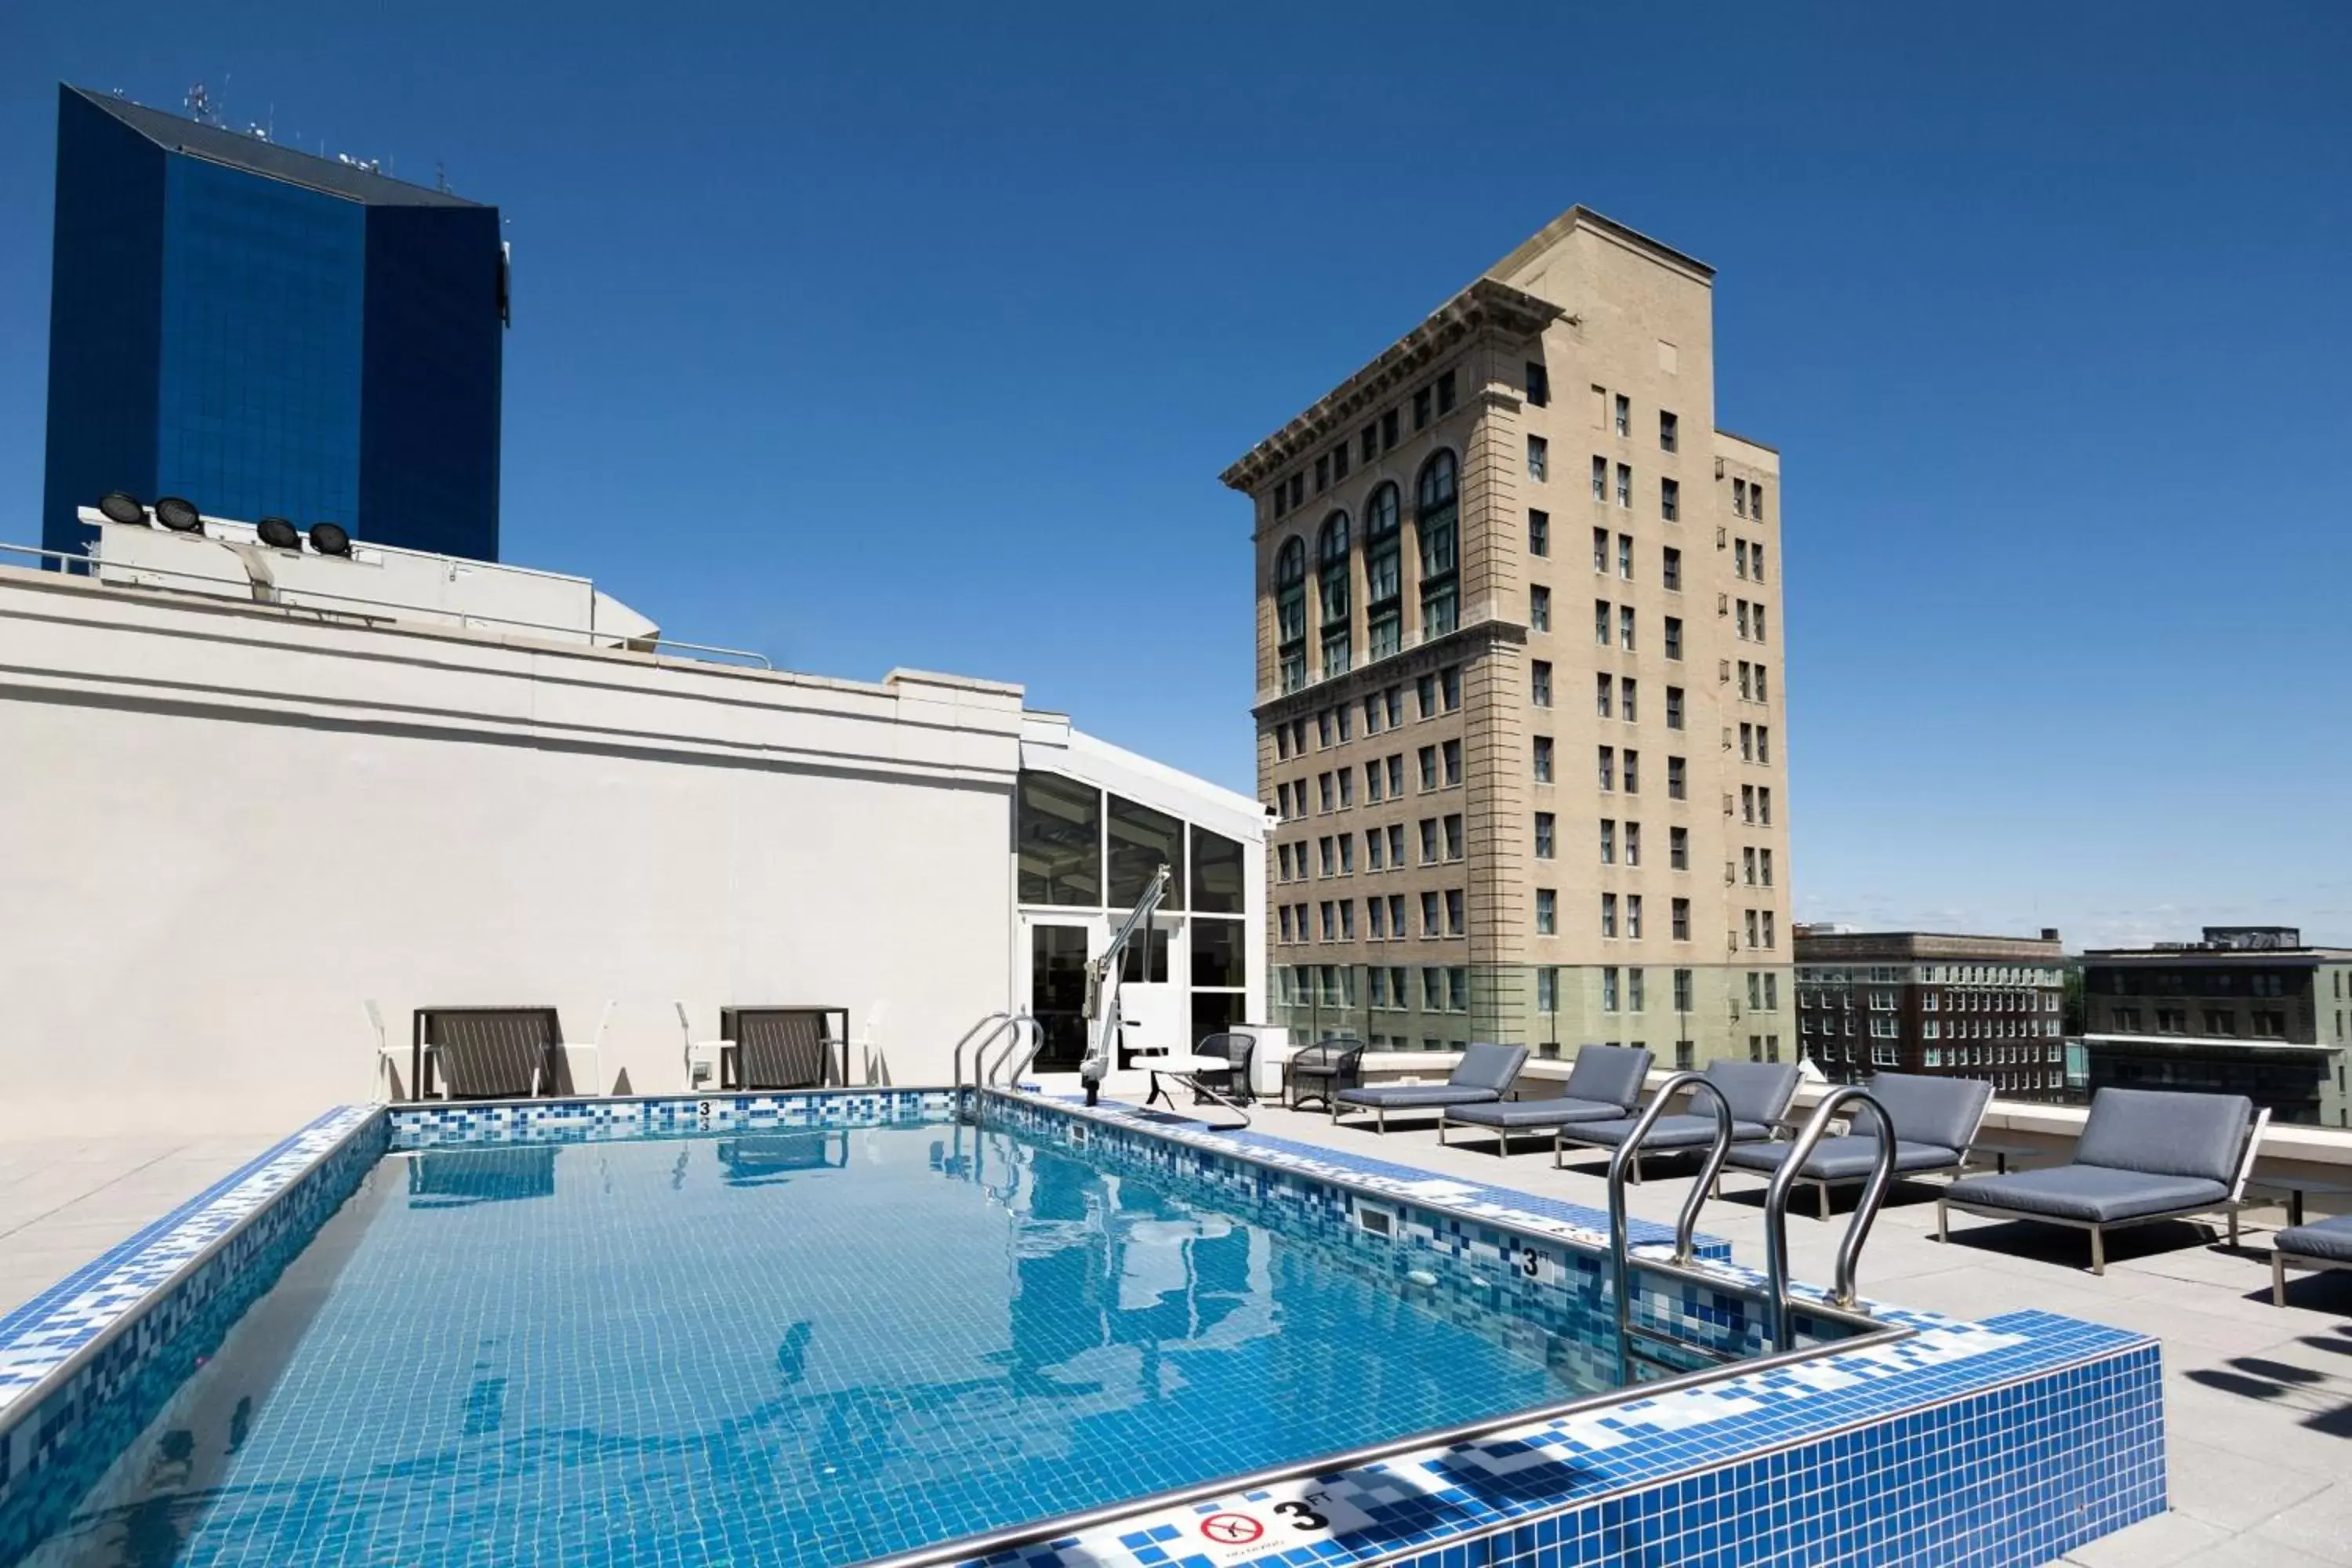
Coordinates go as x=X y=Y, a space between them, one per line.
x=1452 y=825
x=1632 y=771
x=1600 y=551
x=1609 y=990
x=1333 y=569
x=1669 y=431
x=1543 y=759
x=1674 y=636
x=1632 y=843
x=1624 y=486
x=1370 y=442
x=1601 y=479
x=1539 y=682
x=1739 y=498
x=1387 y=430
x=1547 y=832
x=1607 y=767
x=1625 y=556
x=1608 y=914
x=1546 y=912
x=1603 y=621
x=1670 y=569
x=1322 y=473
x=1445 y=393
x=1756 y=500
x=1539 y=457
x=1547 y=990
x=1383 y=615
x=1431 y=919
x=1433 y=522
x=1449 y=685
x=1625 y=628
x=1539 y=608
x=1454 y=911
x=1609 y=841
x=1628 y=693
x=1427 y=756
x=1678 y=848
x=1680 y=913
x=1421 y=409
x=1632 y=915
x=1673 y=707
x=1538 y=383
x=1539 y=532
x=1424 y=695
x=1624 y=415
x=1453 y=749
x=1677 y=782
x=1604 y=696
x=1670 y=499
x=1682 y=989
x=1290 y=611
x=1339 y=462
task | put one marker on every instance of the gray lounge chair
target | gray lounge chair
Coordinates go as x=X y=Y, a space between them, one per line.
x=2325 y=1244
x=1935 y=1121
x=1606 y=1081
x=2145 y=1155
x=1757 y=1093
x=1485 y=1073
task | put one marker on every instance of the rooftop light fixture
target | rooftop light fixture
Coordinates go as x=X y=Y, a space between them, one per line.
x=327 y=538
x=278 y=534
x=121 y=506
x=178 y=514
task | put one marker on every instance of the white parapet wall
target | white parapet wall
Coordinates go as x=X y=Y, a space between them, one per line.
x=228 y=825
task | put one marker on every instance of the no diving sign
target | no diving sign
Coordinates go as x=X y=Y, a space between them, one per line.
x=1274 y=1521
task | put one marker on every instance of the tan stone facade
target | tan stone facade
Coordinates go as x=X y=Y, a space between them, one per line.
x=1572 y=872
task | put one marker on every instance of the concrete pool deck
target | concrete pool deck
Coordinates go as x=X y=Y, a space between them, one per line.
x=2259 y=1399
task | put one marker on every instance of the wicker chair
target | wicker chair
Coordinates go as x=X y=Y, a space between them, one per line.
x=1319 y=1072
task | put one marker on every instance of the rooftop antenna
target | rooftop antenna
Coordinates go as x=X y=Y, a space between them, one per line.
x=200 y=104
x=441 y=176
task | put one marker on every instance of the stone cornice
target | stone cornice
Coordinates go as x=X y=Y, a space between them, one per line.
x=1470 y=638
x=1484 y=306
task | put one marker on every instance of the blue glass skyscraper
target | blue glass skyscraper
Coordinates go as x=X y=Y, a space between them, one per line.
x=269 y=333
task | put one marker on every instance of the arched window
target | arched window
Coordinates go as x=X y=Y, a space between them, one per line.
x=1383 y=617
x=1290 y=611
x=1332 y=568
x=1435 y=514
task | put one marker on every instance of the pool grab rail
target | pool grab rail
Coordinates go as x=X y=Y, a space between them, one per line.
x=1622 y=1163
x=1778 y=1304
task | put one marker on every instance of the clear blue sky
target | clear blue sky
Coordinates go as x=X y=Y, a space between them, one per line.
x=888 y=335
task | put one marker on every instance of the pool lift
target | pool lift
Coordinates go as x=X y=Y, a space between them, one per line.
x=1102 y=1013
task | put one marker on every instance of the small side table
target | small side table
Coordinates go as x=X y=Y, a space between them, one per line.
x=2292 y=1189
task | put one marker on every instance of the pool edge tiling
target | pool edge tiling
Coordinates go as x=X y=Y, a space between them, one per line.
x=79 y=1361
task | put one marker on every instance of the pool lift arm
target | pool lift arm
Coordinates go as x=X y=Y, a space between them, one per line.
x=1103 y=1021
x=1178 y=1066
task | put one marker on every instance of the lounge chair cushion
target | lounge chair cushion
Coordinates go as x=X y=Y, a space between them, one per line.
x=1488 y=1066
x=1944 y=1111
x=1758 y=1091
x=2165 y=1134
x=1555 y=1113
x=1406 y=1095
x=2328 y=1238
x=2094 y=1194
x=1667 y=1132
x=1609 y=1075
x=1847 y=1159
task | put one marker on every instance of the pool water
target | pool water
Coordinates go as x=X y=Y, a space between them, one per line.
x=790 y=1348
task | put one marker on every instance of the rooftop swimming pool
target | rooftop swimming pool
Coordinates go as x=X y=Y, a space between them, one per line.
x=846 y=1327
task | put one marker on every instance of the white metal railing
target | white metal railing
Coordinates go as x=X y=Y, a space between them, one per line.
x=104 y=571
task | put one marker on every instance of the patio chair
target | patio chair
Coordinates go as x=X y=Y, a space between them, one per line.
x=1233 y=1082
x=1315 y=1073
x=1485 y=1073
x=781 y=1048
x=1605 y=1082
x=1757 y=1093
x=2144 y=1156
x=1935 y=1121
x=2323 y=1244
x=487 y=1053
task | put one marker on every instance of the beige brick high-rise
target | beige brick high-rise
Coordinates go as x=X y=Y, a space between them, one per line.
x=1450 y=547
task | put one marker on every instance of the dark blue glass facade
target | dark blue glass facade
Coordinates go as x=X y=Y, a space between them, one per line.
x=319 y=343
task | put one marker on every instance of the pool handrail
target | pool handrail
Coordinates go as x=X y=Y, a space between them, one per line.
x=1622 y=1162
x=1777 y=1301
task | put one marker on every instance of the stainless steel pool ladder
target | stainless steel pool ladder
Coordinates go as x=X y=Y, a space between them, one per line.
x=1777 y=1306
x=1003 y=1032
x=1631 y=1335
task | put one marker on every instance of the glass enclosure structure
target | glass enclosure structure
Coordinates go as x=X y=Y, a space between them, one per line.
x=1084 y=855
x=269 y=333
